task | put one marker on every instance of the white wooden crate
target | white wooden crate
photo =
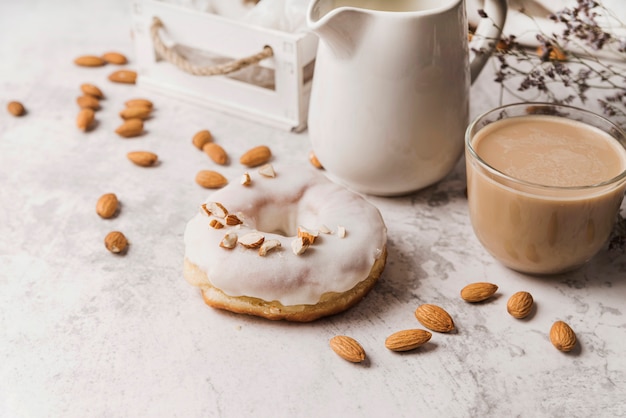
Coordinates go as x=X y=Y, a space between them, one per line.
x=281 y=99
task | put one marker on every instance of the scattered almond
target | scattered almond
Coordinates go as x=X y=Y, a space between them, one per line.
x=562 y=336
x=232 y=220
x=434 y=318
x=341 y=231
x=216 y=224
x=408 y=339
x=555 y=53
x=269 y=245
x=245 y=179
x=478 y=292
x=130 y=128
x=89 y=61
x=229 y=241
x=267 y=170
x=299 y=245
x=107 y=205
x=256 y=156
x=347 y=348
x=215 y=153
x=136 y=112
x=201 y=138
x=114 y=58
x=216 y=209
x=314 y=161
x=252 y=240
x=325 y=230
x=16 y=108
x=308 y=235
x=123 y=76
x=116 y=242
x=88 y=101
x=143 y=158
x=139 y=102
x=211 y=179
x=520 y=304
x=85 y=119
x=91 y=90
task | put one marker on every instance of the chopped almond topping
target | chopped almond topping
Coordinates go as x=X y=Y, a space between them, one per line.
x=309 y=235
x=341 y=232
x=324 y=229
x=267 y=170
x=299 y=245
x=252 y=240
x=216 y=224
x=229 y=241
x=205 y=210
x=267 y=246
x=217 y=209
x=245 y=179
x=232 y=220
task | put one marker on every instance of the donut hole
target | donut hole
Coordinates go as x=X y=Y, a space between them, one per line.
x=278 y=219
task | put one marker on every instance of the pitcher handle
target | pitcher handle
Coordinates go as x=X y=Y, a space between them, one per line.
x=487 y=35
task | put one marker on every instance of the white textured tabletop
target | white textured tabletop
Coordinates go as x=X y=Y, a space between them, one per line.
x=85 y=333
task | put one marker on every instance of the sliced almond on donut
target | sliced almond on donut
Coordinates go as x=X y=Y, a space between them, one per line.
x=267 y=246
x=233 y=220
x=245 y=179
x=216 y=224
x=299 y=245
x=307 y=234
x=205 y=210
x=341 y=231
x=252 y=240
x=217 y=209
x=267 y=170
x=229 y=241
x=324 y=229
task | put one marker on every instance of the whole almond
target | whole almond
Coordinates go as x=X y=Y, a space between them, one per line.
x=88 y=101
x=143 y=158
x=139 y=102
x=347 y=348
x=114 y=58
x=256 y=156
x=520 y=304
x=123 y=76
x=434 y=318
x=562 y=336
x=130 y=128
x=16 y=108
x=201 y=138
x=215 y=152
x=107 y=205
x=478 y=292
x=211 y=179
x=85 y=119
x=407 y=339
x=89 y=61
x=116 y=242
x=91 y=90
x=314 y=161
x=136 y=112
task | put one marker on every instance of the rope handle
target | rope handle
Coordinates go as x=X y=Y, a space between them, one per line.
x=172 y=56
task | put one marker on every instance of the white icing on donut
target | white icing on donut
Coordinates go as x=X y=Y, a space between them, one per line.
x=276 y=207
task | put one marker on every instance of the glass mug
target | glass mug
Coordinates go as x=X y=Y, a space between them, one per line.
x=545 y=184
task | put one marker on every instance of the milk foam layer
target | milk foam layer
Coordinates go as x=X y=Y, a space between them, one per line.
x=276 y=207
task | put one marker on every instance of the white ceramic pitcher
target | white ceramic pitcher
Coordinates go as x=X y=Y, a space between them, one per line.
x=390 y=96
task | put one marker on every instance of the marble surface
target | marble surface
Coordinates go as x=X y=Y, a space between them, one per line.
x=87 y=333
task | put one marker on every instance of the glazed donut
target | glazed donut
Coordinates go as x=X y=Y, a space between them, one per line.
x=295 y=246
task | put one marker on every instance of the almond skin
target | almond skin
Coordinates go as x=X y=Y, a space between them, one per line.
x=130 y=128
x=88 y=101
x=314 y=161
x=201 y=138
x=91 y=90
x=107 y=205
x=123 y=76
x=85 y=119
x=407 y=339
x=114 y=58
x=116 y=242
x=89 y=61
x=434 y=318
x=256 y=156
x=478 y=292
x=136 y=112
x=347 y=348
x=215 y=153
x=143 y=158
x=139 y=102
x=520 y=304
x=562 y=336
x=16 y=108
x=211 y=179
